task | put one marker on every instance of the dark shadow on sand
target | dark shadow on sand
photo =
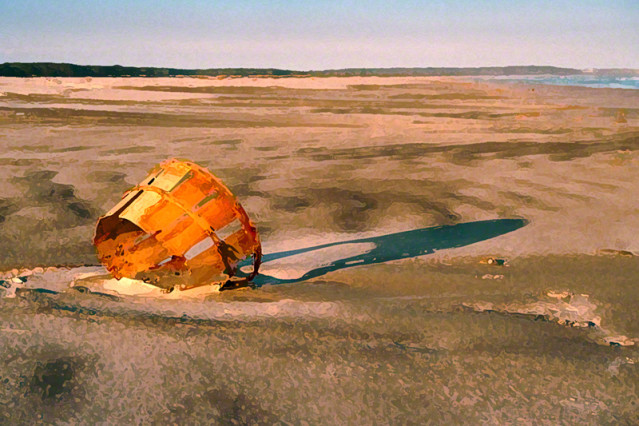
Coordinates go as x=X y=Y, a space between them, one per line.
x=401 y=245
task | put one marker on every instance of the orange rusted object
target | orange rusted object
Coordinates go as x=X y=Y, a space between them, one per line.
x=180 y=227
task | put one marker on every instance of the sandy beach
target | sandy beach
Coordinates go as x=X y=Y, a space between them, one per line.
x=552 y=335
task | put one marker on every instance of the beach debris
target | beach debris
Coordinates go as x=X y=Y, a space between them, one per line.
x=619 y=340
x=9 y=286
x=561 y=307
x=565 y=295
x=613 y=368
x=492 y=277
x=13 y=279
x=180 y=228
x=494 y=261
x=574 y=310
x=613 y=252
x=620 y=116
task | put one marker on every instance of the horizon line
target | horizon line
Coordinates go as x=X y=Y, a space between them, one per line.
x=319 y=69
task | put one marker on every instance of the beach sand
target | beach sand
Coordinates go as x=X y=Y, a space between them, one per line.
x=550 y=337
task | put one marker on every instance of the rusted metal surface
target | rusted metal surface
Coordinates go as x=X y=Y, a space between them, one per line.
x=181 y=228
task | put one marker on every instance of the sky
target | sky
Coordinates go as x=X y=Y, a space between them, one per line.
x=322 y=34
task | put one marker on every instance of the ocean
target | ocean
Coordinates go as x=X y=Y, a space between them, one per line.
x=629 y=82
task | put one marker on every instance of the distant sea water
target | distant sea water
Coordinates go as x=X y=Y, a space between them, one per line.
x=576 y=80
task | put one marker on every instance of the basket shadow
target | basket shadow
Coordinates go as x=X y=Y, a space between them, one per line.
x=384 y=248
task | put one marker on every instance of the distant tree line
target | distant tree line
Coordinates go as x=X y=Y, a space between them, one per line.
x=49 y=69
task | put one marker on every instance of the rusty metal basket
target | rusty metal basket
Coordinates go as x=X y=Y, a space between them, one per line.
x=179 y=228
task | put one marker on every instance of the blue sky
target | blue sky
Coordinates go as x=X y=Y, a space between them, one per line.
x=322 y=34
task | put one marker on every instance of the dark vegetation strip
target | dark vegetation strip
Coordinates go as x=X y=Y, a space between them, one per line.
x=50 y=69
x=558 y=151
x=469 y=115
x=68 y=116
